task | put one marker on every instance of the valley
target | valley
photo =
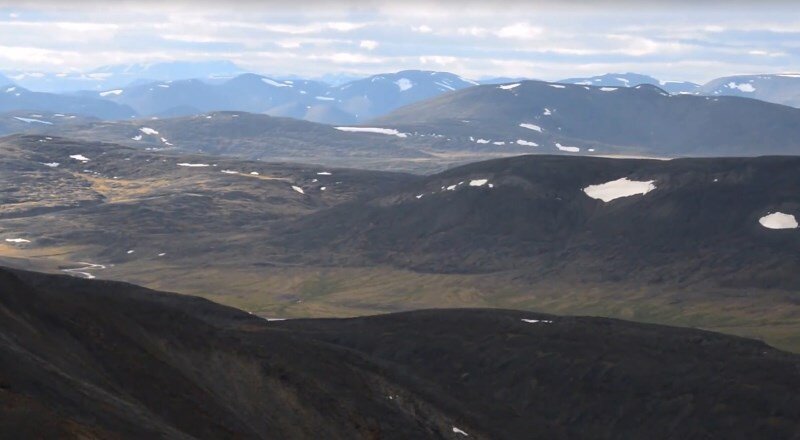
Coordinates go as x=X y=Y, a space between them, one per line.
x=290 y=240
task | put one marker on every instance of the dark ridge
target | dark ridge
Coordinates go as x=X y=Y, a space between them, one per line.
x=104 y=359
x=700 y=224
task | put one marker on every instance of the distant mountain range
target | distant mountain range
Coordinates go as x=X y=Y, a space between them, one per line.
x=779 y=88
x=15 y=98
x=632 y=80
x=380 y=94
x=473 y=123
x=248 y=92
x=311 y=100
x=504 y=80
x=189 y=88
x=568 y=118
x=121 y=75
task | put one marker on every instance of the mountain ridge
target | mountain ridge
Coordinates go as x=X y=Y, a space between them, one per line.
x=126 y=361
x=303 y=99
x=778 y=88
x=631 y=79
x=641 y=120
x=354 y=101
x=122 y=75
x=16 y=98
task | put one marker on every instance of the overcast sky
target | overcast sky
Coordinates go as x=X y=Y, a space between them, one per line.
x=678 y=40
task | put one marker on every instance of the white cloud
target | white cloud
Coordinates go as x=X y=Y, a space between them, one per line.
x=289 y=44
x=368 y=44
x=296 y=43
x=522 y=31
x=438 y=60
x=545 y=42
x=638 y=46
x=310 y=28
x=473 y=31
x=35 y=56
x=86 y=27
x=767 y=53
x=347 y=58
x=345 y=26
x=713 y=28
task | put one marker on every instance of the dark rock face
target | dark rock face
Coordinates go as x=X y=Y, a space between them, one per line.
x=102 y=359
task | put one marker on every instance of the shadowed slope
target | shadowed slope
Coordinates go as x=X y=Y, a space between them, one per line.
x=104 y=359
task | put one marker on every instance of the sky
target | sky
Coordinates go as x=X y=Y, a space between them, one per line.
x=676 y=40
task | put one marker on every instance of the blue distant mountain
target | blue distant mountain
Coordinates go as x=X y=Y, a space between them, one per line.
x=632 y=80
x=5 y=81
x=121 y=75
x=782 y=88
x=16 y=98
x=304 y=99
x=503 y=80
x=183 y=88
x=379 y=94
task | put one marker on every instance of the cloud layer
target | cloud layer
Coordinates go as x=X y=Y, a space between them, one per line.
x=695 y=41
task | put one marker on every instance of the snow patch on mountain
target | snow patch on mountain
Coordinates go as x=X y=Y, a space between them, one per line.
x=742 y=87
x=533 y=127
x=275 y=83
x=778 y=220
x=615 y=189
x=193 y=165
x=404 y=84
x=17 y=240
x=567 y=149
x=386 y=131
x=32 y=121
x=116 y=92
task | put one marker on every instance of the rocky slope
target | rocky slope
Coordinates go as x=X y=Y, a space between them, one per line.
x=84 y=359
